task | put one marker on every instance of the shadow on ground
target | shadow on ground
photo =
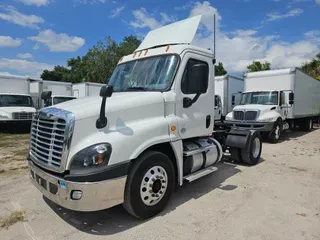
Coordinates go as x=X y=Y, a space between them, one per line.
x=291 y=135
x=116 y=219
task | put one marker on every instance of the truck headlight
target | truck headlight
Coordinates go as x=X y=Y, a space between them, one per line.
x=229 y=117
x=4 y=116
x=91 y=158
x=266 y=120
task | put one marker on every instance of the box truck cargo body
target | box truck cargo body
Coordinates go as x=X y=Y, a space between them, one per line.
x=60 y=91
x=228 y=91
x=275 y=100
x=16 y=105
x=86 y=89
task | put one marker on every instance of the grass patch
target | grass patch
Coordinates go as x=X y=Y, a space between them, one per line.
x=14 y=217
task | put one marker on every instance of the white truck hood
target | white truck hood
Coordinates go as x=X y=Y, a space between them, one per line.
x=260 y=107
x=122 y=101
x=11 y=110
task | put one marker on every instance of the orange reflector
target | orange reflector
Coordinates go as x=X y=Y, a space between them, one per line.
x=146 y=52
x=134 y=55
x=99 y=159
x=140 y=54
x=173 y=128
x=167 y=49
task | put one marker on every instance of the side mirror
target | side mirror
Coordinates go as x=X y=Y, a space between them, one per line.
x=233 y=100
x=46 y=95
x=105 y=92
x=291 y=98
x=197 y=79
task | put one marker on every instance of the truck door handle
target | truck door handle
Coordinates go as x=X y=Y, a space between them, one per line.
x=208 y=121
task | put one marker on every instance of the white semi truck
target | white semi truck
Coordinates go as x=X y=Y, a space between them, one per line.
x=277 y=100
x=86 y=89
x=16 y=105
x=228 y=91
x=59 y=92
x=152 y=130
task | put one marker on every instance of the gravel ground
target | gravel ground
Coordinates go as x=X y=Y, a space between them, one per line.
x=276 y=199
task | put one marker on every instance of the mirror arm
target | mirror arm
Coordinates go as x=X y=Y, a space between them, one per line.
x=102 y=120
x=187 y=102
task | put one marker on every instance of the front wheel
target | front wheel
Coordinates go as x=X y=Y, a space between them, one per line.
x=149 y=185
x=274 y=135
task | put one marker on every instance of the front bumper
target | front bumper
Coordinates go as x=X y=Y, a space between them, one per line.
x=95 y=195
x=259 y=126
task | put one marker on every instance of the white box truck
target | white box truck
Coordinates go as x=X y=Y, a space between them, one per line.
x=16 y=105
x=276 y=100
x=228 y=91
x=60 y=92
x=86 y=89
x=152 y=129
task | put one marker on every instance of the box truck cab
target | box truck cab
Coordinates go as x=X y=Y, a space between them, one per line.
x=277 y=100
x=150 y=129
x=55 y=99
x=16 y=105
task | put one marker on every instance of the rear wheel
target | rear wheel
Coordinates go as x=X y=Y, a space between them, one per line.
x=149 y=185
x=251 y=154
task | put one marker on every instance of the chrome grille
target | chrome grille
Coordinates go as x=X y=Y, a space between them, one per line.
x=51 y=133
x=243 y=115
x=22 y=115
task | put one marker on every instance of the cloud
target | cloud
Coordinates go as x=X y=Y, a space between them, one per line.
x=276 y=16
x=12 y=15
x=317 y=1
x=24 y=55
x=24 y=66
x=90 y=1
x=145 y=20
x=7 y=41
x=185 y=6
x=239 y=48
x=115 y=12
x=38 y=3
x=12 y=75
x=58 y=42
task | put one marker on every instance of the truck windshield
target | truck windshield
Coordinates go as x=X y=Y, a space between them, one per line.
x=15 y=101
x=57 y=100
x=263 y=98
x=149 y=74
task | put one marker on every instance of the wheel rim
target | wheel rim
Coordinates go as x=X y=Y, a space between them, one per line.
x=277 y=132
x=153 y=185
x=256 y=147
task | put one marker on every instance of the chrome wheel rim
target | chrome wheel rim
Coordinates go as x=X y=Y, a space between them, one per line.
x=153 y=185
x=256 y=147
x=277 y=132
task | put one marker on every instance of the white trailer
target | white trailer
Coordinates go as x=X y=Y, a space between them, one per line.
x=228 y=91
x=86 y=89
x=276 y=100
x=16 y=106
x=60 y=92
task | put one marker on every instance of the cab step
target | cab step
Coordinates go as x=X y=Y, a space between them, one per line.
x=201 y=173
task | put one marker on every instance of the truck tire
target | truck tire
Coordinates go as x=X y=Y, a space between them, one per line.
x=235 y=155
x=251 y=154
x=275 y=134
x=149 y=185
x=308 y=124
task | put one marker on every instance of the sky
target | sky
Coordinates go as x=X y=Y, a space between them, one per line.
x=39 y=34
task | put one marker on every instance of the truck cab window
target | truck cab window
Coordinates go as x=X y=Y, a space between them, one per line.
x=187 y=75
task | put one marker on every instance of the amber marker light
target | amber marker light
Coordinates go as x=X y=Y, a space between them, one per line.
x=173 y=128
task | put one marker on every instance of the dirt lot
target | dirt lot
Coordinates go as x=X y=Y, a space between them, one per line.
x=277 y=199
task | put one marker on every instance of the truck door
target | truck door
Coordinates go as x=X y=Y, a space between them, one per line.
x=195 y=112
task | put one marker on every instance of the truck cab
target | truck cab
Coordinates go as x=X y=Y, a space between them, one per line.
x=16 y=108
x=150 y=129
x=56 y=99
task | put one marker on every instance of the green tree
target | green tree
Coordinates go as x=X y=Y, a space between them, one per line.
x=313 y=67
x=219 y=70
x=257 y=66
x=97 y=65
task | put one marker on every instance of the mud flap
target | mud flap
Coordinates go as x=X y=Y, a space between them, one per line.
x=238 y=138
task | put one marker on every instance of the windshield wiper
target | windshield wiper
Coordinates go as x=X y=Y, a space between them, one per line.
x=136 y=89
